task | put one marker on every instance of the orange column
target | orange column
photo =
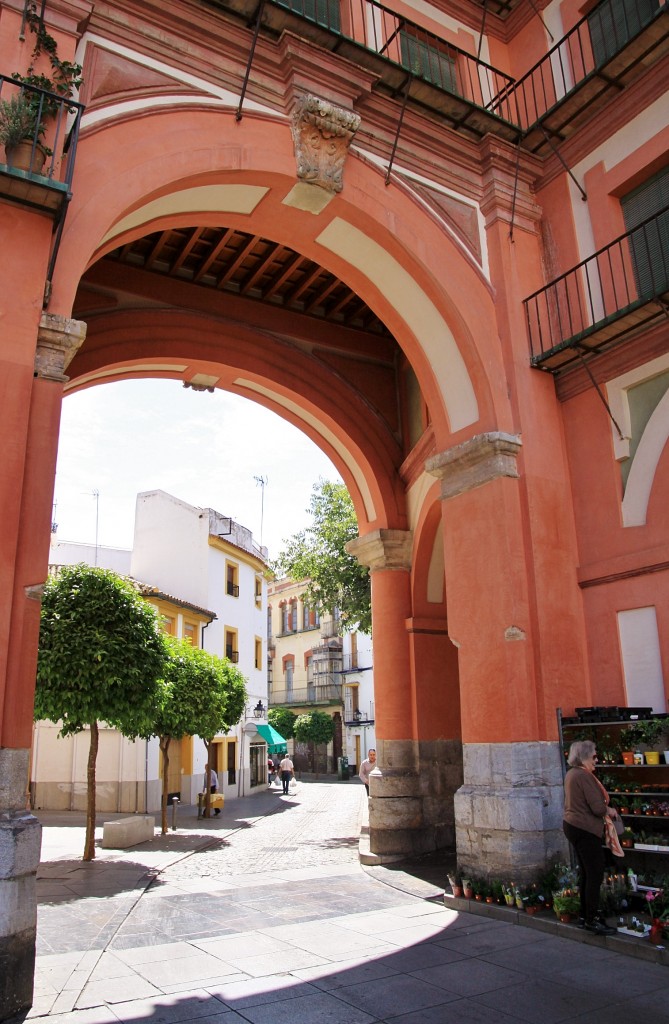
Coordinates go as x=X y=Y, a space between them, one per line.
x=36 y=436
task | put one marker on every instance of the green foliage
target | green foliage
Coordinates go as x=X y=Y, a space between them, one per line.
x=314 y=727
x=318 y=554
x=283 y=721
x=101 y=652
x=199 y=694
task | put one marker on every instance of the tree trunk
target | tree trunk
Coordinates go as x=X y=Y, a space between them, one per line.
x=207 y=788
x=165 y=751
x=89 y=846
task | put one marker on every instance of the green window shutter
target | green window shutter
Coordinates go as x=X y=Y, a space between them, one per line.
x=650 y=242
x=428 y=62
x=321 y=12
x=613 y=23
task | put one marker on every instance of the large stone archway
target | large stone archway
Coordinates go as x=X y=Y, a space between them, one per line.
x=350 y=392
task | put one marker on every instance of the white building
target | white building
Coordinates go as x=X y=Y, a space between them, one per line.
x=205 y=575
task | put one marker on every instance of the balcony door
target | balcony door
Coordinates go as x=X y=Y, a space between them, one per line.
x=646 y=213
x=613 y=23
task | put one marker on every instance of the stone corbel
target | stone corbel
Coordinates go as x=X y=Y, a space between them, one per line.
x=58 y=340
x=383 y=549
x=322 y=133
x=475 y=462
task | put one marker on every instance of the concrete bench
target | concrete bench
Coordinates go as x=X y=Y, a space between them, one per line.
x=128 y=831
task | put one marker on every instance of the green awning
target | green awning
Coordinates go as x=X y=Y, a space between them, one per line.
x=274 y=740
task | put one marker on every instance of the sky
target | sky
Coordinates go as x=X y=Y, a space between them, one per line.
x=131 y=436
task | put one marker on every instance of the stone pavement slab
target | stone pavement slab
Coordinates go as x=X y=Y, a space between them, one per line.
x=225 y=925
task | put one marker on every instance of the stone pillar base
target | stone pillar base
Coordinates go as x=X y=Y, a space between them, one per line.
x=411 y=797
x=20 y=841
x=509 y=810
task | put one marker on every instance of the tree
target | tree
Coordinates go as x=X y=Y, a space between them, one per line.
x=101 y=652
x=283 y=721
x=318 y=554
x=199 y=695
x=314 y=727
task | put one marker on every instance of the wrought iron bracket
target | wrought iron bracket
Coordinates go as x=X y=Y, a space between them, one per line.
x=256 y=31
x=407 y=87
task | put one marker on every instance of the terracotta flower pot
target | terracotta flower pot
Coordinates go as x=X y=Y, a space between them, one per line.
x=628 y=757
x=22 y=158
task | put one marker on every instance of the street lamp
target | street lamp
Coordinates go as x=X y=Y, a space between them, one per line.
x=259 y=710
x=357 y=715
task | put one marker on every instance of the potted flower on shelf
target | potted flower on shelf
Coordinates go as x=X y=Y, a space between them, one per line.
x=627 y=839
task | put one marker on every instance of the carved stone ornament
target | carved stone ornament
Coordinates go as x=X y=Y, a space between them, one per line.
x=322 y=133
x=58 y=339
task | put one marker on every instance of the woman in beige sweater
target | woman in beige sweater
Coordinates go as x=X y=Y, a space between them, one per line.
x=586 y=804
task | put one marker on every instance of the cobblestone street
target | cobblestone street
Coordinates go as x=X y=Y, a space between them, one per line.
x=318 y=826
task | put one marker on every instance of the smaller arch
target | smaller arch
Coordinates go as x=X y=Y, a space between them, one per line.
x=644 y=466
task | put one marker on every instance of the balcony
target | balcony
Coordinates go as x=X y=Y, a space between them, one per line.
x=603 y=301
x=329 y=693
x=409 y=61
x=603 y=53
x=38 y=172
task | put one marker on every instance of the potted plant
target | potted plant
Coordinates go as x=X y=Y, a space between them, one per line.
x=20 y=133
x=627 y=839
x=566 y=905
x=467 y=888
x=455 y=884
x=40 y=97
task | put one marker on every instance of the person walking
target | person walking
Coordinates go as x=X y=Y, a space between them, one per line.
x=366 y=767
x=213 y=785
x=586 y=806
x=287 y=770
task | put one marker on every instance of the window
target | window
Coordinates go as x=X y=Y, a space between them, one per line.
x=614 y=23
x=258 y=591
x=289 y=666
x=169 y=624
x=309 y=665
x=293 y=615
x=322 y=12
x=258 y=653
x=190 y=632
x=650 y=243
x=232 y=579
x=231 y=645
x=428 y=61
x=269 y=623
x=284 y=618
x=306 y=616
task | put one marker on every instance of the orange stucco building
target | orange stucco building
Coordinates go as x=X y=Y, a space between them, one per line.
x=434 y=237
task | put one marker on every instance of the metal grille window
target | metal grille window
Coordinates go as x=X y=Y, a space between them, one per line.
x=646 y=213
x=321 y=12
x=426 y=61
x=614 y=22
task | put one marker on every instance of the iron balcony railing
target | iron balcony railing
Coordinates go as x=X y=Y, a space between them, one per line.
x=41 y=130
x=370 y=26
x=593 y=42
x=603 y=298
x=497 y=102
x=308 y=695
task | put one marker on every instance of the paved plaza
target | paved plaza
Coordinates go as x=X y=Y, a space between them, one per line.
x=265 y=915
